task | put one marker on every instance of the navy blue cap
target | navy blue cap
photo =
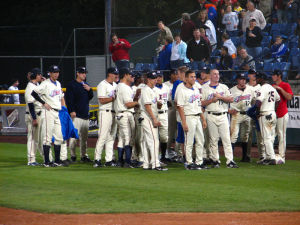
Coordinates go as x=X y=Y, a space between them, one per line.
x=252 y=71
x=36 y=71
x=124 y=71
x=277 y=72
x=241 y=76
x=151 y=75
x=54 y=69
x=262 y=76
x=81 y=69
x=112 y=70
x=205 y=70
x=159 y=73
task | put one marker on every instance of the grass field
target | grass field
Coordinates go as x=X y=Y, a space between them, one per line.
x=81 y=188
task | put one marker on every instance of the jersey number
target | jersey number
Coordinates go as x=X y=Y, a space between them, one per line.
x=271 y=96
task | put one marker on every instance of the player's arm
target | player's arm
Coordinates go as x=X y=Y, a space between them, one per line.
x=130 y=105
x=285 y=94
x=183 y=119
x=204 y=125
x=209 y=101
x=104 y=101
x=38 y=98
x=156 y=123
x=32 y=113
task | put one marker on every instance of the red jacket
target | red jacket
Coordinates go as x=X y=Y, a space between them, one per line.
x=120 y=51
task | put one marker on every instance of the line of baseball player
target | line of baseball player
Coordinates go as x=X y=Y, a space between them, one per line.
x=146 y=115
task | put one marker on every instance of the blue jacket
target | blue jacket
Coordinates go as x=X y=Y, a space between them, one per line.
x=182 y=52
x=165 y=57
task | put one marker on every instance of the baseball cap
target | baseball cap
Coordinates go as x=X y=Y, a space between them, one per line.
x=152 y=75
x=252 y=71
x=36 y=71
x=173 y=71
x=205 y=70
x=112 y=70
x=137 y=74
x=241 y=76
x=159 y=73
x=54 y=69
x=81 y=69
x=252 y=19
x=261 y=76
x=277 y=72
x=124 y=71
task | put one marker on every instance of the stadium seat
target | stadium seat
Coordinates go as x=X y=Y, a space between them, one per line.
x=284 y=67
x=268 y=68
x=294 y=58
x=236 y=41
x=266 y=41
x=139 y=66
x=148 y=66
x=259 y=66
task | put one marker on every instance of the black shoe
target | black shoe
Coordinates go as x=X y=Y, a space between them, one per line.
x=126 y=165
x=160 y=168
x=120 y=164
x=232 y=164
x=245 y=159
x=260 y=161
x=58 y=163
x=269 y=162
x=190 y=167
x=110 y=163
x=85 y=159
x=50 y=164
x=215 y=164
x=207 y=161
x=97 y=164
x=73 y=159
x=201 y=167
x=65 y=163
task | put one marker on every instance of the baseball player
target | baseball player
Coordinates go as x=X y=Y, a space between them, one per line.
x=285 y=92
x=124 y=106
x=106 y=117
x=240 y=121
x=78 y=95
x=32 y=118
x=163 y=97
x=50 y=95
x=150 y=124
x=261 y=148
x=216 y=98
x=267 y=100
x=189 y=109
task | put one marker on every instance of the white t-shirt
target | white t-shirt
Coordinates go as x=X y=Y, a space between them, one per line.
x=190 y=100
x=30 y=99
x=51 y=93
x=16 y=97
x=106 y=90
x=148 y=96
x=268 y=97
x=163 y=96
x=241 y=99
x=124 y=94
x=208 y=93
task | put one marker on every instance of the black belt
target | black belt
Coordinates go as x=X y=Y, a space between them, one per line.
x=161 y=112
x=108 y=110
x=194 y=114
x=56 y=110
x=127 y=111
x=217 y=114
x=243 y=113
x=38 y=113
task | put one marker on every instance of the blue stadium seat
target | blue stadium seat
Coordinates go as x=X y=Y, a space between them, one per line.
x=294 y=58
x=236 y=41
x=259 y=66
x=148 y=66
x=268 y=68
x=139 y=66
x=288 y=29
x=266 y=41
x=284 y=67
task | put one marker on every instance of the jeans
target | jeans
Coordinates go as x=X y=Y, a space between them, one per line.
x=197 y=65
x=122 y=63
x=176 y=63
x=233 y=33
x=281 y=16
x=255 y=52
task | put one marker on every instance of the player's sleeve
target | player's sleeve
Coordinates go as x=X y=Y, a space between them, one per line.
x=146 y=97
x=101 y=91
x=41 y=89
x=180 y=98
x=288 y=89
x=260 y=94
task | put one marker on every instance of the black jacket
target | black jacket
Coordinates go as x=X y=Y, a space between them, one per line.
x=197 y=52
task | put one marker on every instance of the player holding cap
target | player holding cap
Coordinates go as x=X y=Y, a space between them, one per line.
x=150 y=124
x=163 y=97
x=267 y=100
x=32 y=118
x=106 y=117
x=189 y=109
x=124 y=106
x=78 y=95
x=216 y=98
x=240 y=121
x=50 y=95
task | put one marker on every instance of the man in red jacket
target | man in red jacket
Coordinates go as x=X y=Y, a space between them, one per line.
x=119 y=49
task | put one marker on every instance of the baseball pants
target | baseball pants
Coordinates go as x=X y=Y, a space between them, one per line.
x=194 y=134
x=281 y=126
x=83 y=128
x=260 y=146
x=106 y=135
x=172 y=126
x=151 y=144
x=218 y=126
x=52 y=128
x=163 y=129
x=126 y=125
x=267 y=127
x=239 y=123
x=206 y=152
x=63 y=151
x=33 y=142
x=137 y=152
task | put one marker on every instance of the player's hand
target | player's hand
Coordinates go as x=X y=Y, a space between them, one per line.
x=73 y=115
x=86 y=87
x=277 y=87
x=159 y=105
x=34 y=123
x=232 y=111
x=185 y=127
x=122 y=42
x=48 y=107
x=156 y=123
x=204 y=124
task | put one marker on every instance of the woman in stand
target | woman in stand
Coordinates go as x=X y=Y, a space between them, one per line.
x=253 y=39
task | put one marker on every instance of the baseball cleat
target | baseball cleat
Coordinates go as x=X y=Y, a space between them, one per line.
x=232 y=164
x=33 y=164
x=201 y=167
x=191 y=167
x=65 y=163
x=160 y=168
x=50 y=164
x=73 y=159
x=269 y=162
x=215 y=164
x=110 y=163
x=85 y=159
x=97 y=164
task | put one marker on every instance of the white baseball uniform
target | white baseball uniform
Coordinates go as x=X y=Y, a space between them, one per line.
x=217 y=121
x=267 y=120
x=190 y=100
x=240 y=121
x=206 y=151
x=107 y=123
x=150 y=133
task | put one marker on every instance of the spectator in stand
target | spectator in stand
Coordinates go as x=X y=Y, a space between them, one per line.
x=253 y=39
x=241 y=19
x=119 y=49
x=197 y=51
x=231 y=20
x=225 y=62
x=229 y=44
x=165 y=54
x=187 y=27
x=253 y=13
x=14 y=98
x=278 y=49
x=178 y=53
x=243 y=61
x=204 y=22
x=279 y=7
x=202 y=4
x=237 y=7
x=203 y=35
x=212 y=11
x=163 y=34
x=291 y=9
